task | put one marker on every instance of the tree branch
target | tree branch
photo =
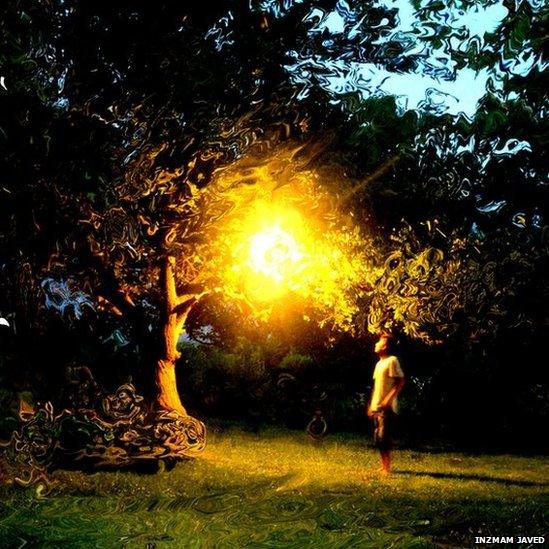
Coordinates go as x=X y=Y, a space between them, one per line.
x=169 y=283
x=187 y=302
x=119 y=300
x=190 y=289
x=109 y=288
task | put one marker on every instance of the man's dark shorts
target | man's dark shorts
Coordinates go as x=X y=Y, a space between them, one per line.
x=384 y=424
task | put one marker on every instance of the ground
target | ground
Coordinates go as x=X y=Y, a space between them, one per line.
x=280 y=488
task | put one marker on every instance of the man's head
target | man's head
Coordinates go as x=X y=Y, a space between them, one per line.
x=384 y=345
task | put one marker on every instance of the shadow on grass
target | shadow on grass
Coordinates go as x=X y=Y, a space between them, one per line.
x=204 y=504
x=465 y=476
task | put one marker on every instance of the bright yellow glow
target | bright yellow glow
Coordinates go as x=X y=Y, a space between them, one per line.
x=285 y=244
x=270 y=250
x=274 y=253
x=280 y=252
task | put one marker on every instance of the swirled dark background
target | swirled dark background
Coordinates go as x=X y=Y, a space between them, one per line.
x=112 y=112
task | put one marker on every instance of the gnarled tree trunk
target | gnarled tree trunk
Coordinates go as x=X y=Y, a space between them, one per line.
x=176 y=310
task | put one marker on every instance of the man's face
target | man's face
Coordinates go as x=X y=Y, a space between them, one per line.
x=381 y=345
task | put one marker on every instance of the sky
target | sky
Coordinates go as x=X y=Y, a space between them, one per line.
x=436 y=84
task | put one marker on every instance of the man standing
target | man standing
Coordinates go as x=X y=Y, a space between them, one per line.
x=388 y=382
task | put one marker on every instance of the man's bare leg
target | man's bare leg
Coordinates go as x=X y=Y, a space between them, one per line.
x=385 y=462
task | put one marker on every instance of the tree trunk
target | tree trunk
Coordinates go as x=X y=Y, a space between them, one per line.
x=175 y=314
x=167 y=395
x=166 y=383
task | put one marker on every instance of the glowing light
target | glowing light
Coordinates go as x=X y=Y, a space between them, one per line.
x=274 y=253
x=285 y=247
x=278 y=250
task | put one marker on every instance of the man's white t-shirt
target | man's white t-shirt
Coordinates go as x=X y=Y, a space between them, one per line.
x=385 y=373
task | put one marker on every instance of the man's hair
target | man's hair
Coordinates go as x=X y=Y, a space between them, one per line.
x=389 y=341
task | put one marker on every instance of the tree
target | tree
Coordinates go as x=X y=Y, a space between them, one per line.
x=200 y=245
x=122 y=160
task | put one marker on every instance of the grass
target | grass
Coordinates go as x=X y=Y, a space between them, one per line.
x=278 y=488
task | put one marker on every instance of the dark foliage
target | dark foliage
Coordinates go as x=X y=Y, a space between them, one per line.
x=112 y=112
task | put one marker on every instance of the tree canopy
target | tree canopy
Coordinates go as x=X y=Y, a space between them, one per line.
x=119 y=119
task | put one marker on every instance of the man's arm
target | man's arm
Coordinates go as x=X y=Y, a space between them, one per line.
x=393 y=393
x=369 y=411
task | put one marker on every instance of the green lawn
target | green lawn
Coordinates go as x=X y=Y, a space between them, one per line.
x=280 y=489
